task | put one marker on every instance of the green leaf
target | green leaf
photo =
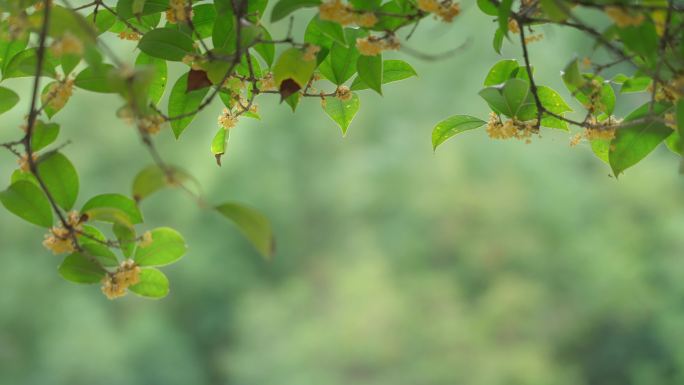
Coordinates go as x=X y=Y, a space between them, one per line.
x=152 y=179
x=25 y=200
x=50 y=111
x=634 y=142
x=116 y=201
x=342 y=112
x=340 y=65
x=513 y=99
x=44 y=134
x=96 y=79
x=223 y=34
x=636 y=84
x=293 y=101
x=182 y=103
x=93 y=242
x=63 y=20
x=109 y=215
x=366 y=5
x=501 y=72
x=8 y=99
x=138 y=6
x=80 y=269
x=679 y=111
x=204 y=18
x=167 y=247
x=285 y=7
x=554 y=103
x=255 y=9
x=253 y=225
x=452 y=126
x=10 y=48
x=323 y=33
x=159 y=78
x=641 y=39
x=487 y=7
x=24 y=63
x=497 y=41
x=218 y=144
x=292 y=65
x=60 y=178
x=370 y=71
x=104 y=20
x=674 y=143
x=572 y=76
x=153 y=284
x=18 y=175
x=125 y=8
x=69 y=62
x=392 y=71
x=553 y=10
x=266 y=50
x=503 y=15
x=395 y=70
x=601 y=149
x=126 y=237
x=166 y=43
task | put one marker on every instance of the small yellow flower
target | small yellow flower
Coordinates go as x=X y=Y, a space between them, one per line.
x=512 y=128
x=372 y=46
x=449 y=12
x=445 y=10
x=670 y=120
x=534 y=38
x=575 y=140
x=431 y=6
x=18 y=24
x=335 y=10
x=604 y=130
x=311 y=51
x=623 y=18
x=59 y=239
x=267 y=83
x=24 y=163
x=227 y=120
x=366 y=20
x=67 y=44
x=129 y=35
x=114 y=285
x=513 y=25
x=58 y=94
x=146 y=239
x=179 y=11
x=151 y=123
x=607 y=133
x=343 y=93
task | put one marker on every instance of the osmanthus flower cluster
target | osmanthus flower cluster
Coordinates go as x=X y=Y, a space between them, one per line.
x=228 y=57
x=644 y=41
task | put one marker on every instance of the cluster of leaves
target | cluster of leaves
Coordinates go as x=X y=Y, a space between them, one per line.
x=647 y=36
x=230 y=57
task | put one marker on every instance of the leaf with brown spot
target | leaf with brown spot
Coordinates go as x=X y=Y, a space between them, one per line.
x=197 y=79
x=287 y=88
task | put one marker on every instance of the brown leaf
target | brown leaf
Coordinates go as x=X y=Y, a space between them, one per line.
x=287 y=88
x=197 y=80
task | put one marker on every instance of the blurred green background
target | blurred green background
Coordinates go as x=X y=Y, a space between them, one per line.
x=487 y=263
